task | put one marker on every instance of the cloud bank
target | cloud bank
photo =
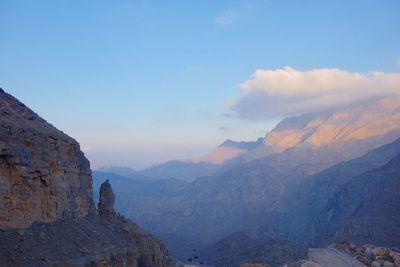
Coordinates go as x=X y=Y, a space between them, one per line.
x=287 y=91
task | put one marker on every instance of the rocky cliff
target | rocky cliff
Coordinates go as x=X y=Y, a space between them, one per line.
x=47 y=214
x=43 y=174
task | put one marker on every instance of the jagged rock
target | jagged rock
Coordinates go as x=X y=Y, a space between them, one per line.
x=370 y=255
x=107 y=199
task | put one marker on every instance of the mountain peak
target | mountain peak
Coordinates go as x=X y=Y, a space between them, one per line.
x=369 y=120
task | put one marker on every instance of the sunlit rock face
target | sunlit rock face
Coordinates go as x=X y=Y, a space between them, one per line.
x=43 y=174
x=368 y=120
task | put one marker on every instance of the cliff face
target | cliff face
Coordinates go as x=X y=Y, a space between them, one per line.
x=43 y=174
x=47 y=214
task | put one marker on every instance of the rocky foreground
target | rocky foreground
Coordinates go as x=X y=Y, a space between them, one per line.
x=85 y=241
x=107 y=239
x=371 y=255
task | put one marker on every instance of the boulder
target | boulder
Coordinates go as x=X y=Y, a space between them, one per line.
x=380 y=251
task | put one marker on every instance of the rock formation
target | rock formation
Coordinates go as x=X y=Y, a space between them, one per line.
x=44 y=176
x=371 y=255
x=107 y=199
x=47 y=213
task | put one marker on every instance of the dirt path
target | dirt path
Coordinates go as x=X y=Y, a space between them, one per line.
x=330 y=257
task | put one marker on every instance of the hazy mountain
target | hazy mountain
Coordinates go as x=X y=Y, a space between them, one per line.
x=356 y=200
x=366 y=209
x=268 y=191
x=189 y=170
x=340 y=134
x=120 y=170
x=229 y=150
x=183 y=170
x=310 y=205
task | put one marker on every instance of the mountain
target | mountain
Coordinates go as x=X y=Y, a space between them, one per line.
x=338 y=135
x=183 y=170
x=189 y=170
x=357 y=200
x=228 y=150
x=366 y=209
x=310 y=206
x=120 y=170
x=47 y=213
x=256 y=191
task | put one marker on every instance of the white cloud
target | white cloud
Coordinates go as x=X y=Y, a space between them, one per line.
x=287 y=91
x=228 y=17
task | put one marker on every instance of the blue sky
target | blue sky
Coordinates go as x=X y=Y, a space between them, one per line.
x=140 y=82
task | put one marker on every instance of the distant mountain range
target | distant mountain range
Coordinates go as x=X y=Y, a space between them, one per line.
x=312 y=142
x=189 y=170
x=315 y=178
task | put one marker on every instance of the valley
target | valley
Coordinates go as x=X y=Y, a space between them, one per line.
x=305 y=191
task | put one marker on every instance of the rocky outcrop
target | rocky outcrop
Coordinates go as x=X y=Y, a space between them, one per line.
x=370 y=255
x=43 y=174
x=107 y=200
x=47 y=215
x=87 y=241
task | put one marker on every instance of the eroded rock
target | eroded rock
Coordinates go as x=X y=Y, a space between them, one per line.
x=106 y=200
x=44 y=176
x=47 y=214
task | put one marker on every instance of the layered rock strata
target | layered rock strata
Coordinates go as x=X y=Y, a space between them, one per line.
x=44 y=176
x=47 y=213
